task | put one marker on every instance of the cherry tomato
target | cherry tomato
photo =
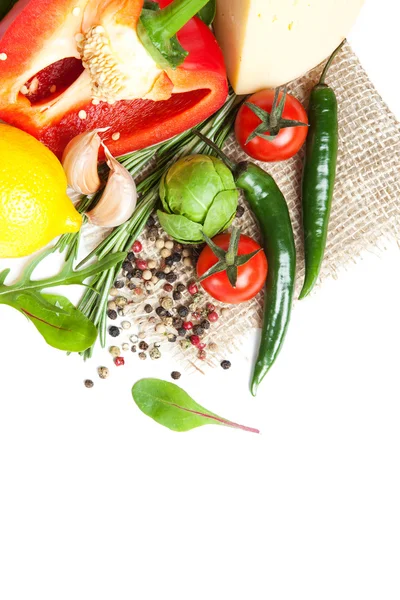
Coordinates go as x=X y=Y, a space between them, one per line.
x=251 y=275
x=289 y=139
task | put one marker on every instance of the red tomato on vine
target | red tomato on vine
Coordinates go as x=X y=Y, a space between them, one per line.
x=271 y=126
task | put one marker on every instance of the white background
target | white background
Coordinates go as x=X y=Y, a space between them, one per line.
x=99 y=502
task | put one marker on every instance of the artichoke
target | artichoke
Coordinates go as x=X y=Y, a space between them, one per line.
x=198 y=194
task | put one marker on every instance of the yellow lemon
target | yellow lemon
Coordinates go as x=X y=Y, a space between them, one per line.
x=34 y=206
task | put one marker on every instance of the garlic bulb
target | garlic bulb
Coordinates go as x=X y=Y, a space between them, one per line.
x=118 y=200
x=80 y=159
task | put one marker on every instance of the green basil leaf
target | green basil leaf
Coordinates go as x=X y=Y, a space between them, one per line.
x=6 y=6
x=180 y=228
x=61 y=324
x=171 y=406
x=207 y=13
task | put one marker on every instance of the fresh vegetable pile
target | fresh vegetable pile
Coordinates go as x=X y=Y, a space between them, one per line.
x=145 y=82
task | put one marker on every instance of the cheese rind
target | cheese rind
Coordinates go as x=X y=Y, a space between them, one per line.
x=267 y=43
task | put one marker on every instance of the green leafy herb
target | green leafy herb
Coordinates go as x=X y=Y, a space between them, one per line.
x=171 y=406
x=61 y=324
x=207 y=13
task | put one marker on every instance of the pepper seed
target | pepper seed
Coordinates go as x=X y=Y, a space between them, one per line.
x=175 y=375
x=88 y=383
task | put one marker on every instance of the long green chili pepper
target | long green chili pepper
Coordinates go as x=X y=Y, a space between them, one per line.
x=319 y=175
x=270 y=208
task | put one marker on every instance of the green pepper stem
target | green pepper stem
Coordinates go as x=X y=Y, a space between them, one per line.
x=229 y=163
x=330 y=61
x=169 y=20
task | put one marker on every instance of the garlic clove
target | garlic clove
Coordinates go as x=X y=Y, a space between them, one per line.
x=119 y=198
x=80 y=160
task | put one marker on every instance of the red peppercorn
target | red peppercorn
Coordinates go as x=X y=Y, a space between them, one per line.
x=212 y=316
x=141 y=264
x=167 y=287
x=119 y=361
x=196 y=316
x=201 y=346
x=210 y=307
x=202 y=355
x=188 y=325
x=137 y=247
x=195 y=340
x=192 y=289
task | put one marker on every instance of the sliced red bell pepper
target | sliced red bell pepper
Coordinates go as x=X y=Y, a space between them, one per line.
x=45 y=90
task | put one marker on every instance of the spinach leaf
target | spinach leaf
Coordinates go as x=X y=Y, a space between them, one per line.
x=171 y=406
x=207 y=13
x=61 y=324
x=57 y=320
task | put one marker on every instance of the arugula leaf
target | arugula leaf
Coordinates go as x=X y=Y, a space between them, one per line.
x=61 y=324
x=171 y=406
x=207 y=13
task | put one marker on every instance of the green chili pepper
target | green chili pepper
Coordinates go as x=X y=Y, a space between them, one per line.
x=319 y=175
x=270 y=209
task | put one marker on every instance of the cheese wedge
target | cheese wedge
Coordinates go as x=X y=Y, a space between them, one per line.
x=267 y=43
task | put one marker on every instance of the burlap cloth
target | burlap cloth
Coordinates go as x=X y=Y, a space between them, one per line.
x=366 y=206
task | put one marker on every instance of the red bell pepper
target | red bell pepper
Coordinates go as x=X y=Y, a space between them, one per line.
x=46 y=91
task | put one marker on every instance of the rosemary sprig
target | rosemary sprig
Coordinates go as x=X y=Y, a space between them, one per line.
x=94 y=301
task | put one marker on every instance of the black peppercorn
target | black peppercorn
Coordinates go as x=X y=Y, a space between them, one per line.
x=198 y=330
x=119 y=284
x=114 y=331
x=240 y=211
x=169 y=261
x=138 y=274
x=176 y=257
x=205 y=324
x=150 y=222
x=112 y=314
x=143 y=346
x=129 y=276
x=133 y=348
x=148 y=308
x=181 y=332
x=171 y=337
x=175 y=375
x=128 y=266
x=177 y=322
x=172 y=277
x=89 y=383
x=183 y=311
x=180 y=287
x=226 y=364
x=161 y=311
x=160 y=275
x=131 y=286
x=131 y=256
x=177 y=295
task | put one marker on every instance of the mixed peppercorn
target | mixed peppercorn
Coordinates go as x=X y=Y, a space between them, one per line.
x=149 y=297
